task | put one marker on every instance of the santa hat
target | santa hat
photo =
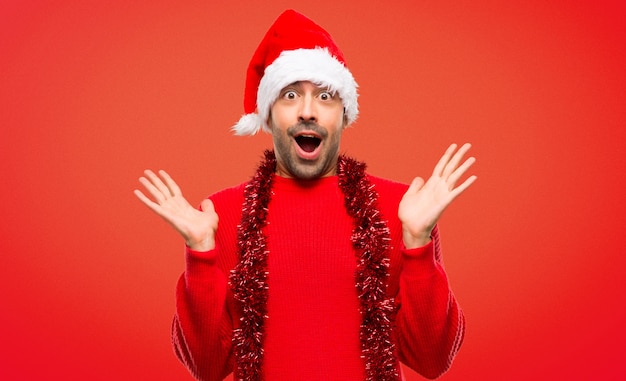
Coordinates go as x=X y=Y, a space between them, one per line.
x=294 y=49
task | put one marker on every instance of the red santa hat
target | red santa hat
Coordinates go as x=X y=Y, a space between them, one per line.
x=294 y=49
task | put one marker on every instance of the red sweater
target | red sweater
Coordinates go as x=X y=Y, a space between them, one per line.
x=312 y=330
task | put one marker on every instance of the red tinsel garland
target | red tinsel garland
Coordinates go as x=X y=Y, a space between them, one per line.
x=370 y=239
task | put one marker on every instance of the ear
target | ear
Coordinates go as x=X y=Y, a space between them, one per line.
x=268 y=122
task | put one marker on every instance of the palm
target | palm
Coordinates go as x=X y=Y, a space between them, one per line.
x=423 y=203
x=196 y=226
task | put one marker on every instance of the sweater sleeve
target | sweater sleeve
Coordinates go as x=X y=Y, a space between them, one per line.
x=202 y=329
x=202 y=326
x=430 y=324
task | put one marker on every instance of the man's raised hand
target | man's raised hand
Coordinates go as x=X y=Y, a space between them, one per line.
x=197 y=227
x=424 y=202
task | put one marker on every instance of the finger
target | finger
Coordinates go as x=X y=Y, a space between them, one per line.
x=156 y=208
x=438 y=171
x=461 y=188
x=456 y=159
x=415 y=185
x=460 y=171
x=144 y=199
x=155 y=192
x=174 y=189
x=158 y=183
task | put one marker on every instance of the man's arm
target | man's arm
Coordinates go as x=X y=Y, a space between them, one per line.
x=202 y=326
x=430 y=323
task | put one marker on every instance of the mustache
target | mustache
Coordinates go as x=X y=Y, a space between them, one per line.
x=307 y=126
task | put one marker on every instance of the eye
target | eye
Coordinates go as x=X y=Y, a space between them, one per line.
x=289 y=94
x=326 y=96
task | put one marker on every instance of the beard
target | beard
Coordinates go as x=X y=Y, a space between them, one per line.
x=295 y=166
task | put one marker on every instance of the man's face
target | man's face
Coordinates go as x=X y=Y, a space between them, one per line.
x=306 y=123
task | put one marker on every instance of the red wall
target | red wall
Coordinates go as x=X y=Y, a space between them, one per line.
x=94 y=92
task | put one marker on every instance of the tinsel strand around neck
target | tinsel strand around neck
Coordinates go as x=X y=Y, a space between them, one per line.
x=370 y=240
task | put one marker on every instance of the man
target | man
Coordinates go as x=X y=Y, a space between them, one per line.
x=314 y=269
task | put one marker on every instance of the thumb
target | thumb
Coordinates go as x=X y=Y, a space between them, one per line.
x=207 y=206
x=416 y=185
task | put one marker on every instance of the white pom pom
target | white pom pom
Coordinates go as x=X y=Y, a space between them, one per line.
x=249 y=124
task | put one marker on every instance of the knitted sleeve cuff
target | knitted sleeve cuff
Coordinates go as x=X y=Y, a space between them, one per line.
x=200 y=264
x=420 y=261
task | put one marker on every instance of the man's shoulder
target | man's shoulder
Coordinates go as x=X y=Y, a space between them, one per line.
x=227 y=203
x=386 y=186
x=390 y=193
x=230 y=194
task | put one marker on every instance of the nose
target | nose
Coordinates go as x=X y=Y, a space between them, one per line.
x=307 y=111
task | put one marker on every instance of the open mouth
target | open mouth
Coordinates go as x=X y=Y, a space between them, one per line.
x=308 y=143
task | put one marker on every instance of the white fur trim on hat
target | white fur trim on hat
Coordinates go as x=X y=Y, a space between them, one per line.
x=248 y=124
x=314 y=65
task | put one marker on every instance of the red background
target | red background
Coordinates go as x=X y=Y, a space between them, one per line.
x=93 y=92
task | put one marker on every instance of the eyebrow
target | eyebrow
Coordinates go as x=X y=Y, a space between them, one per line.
x=298 y=84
